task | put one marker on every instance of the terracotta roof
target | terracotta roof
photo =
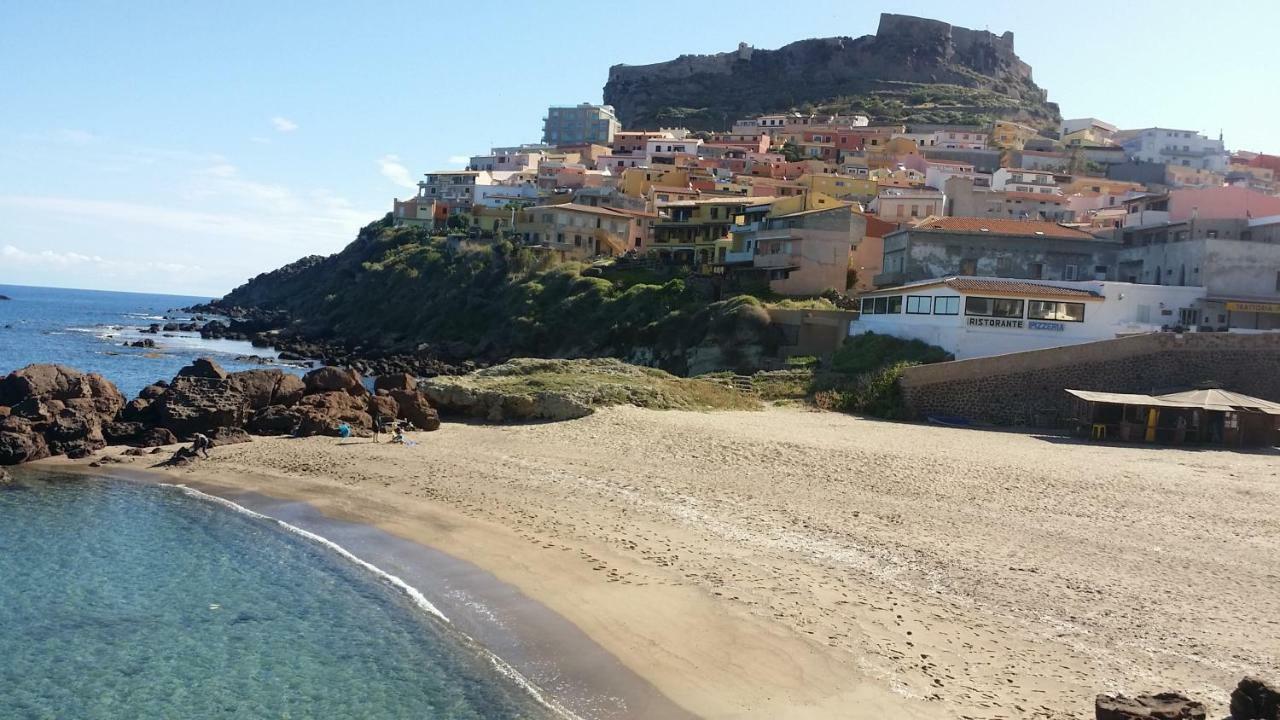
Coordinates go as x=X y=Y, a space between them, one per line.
x=995 y=286
x=1015 y=287
x=1003 y=226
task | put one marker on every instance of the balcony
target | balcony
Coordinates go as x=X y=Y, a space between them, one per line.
x=739 y=257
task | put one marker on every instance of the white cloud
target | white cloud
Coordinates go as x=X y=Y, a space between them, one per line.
x=459 y=159
x=393 y=170
x=284 y=124
x=49 y=258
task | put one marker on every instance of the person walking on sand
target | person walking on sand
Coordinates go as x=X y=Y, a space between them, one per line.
x=200 y=444
x=377 y=427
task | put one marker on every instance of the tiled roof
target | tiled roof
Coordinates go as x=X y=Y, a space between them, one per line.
x=1003 y=226
x=1014 y=287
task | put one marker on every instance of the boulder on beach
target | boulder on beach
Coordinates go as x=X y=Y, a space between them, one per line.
x=54 y=410
x=414 y=406
x=229 y=436
x=267 y=387
x=1161 y=706
x=395 y=381
x=329 y=379
x=1254 y=699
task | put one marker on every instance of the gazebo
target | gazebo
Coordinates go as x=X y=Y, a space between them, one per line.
x=1209 y=416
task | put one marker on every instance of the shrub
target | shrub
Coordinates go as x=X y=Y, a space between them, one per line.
x=864 y=353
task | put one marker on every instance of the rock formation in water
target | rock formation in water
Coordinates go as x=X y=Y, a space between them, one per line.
x=912 y=69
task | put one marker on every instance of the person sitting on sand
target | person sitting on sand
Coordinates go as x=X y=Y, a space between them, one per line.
x=398 y=436
x=200 y=444
x=344 y=430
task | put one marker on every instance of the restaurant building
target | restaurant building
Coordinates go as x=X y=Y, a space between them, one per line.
x=976 y=317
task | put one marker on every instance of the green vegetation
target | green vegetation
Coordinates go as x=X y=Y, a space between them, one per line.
x=864 y=374
x=532 y=389
x=400 y=288
x=869 y=351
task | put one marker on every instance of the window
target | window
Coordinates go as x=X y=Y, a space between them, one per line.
x=882 y=305
x=946 y=306
x=1035 y=271
x=919 y=304
x=969 y=267
x=993 y=307
x=1069 y=272
x=1063 y=311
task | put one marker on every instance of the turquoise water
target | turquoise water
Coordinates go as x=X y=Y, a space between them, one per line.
x=122 y=600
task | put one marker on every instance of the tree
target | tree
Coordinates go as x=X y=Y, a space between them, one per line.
x=791 y=152
x=456 y=222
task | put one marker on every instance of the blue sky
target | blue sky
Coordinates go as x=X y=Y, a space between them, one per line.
x=185 y=147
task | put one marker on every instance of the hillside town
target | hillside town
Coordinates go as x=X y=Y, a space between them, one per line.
x=981 y=239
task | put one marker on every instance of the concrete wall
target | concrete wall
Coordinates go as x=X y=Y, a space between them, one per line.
x=1224 y=267
x=1029 y=388
x=921 y=256
x=816 y=333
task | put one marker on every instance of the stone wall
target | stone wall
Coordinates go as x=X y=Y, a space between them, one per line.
x=1029 y=388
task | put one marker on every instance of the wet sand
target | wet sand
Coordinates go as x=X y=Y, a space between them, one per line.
x=794 y=564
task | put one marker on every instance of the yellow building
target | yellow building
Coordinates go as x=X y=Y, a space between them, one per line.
x=1009 y=135
x=887 y=154
x=696 y=232
x=579 y=232
x=637 y=181
x=898 y=177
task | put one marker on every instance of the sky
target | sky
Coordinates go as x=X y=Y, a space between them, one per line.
x=185 y=147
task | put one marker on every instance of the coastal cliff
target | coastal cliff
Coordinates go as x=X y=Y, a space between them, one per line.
x=402 y=291
x=912 y=70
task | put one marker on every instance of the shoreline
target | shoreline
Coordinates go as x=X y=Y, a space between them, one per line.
x=562 y=668
x=795 y=564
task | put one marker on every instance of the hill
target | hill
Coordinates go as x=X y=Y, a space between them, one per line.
x=912 y=70
x=401 y=290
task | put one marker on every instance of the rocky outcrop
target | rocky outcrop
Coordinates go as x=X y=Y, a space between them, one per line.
x=1161 y=706
x=414 y=406
x=54 y=410
x=329 y=379
x=906 y=56
x=1254 y=699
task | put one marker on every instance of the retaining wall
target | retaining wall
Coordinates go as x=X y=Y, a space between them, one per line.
x=1028 y=388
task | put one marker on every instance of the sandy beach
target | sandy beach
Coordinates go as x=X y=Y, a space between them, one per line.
x=798 y=564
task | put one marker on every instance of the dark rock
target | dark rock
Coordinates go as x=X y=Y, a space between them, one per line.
x=267 y=387
x=137 y=409
x=204 y=368
x=330 y=379
x=135 y=451
x=5 y=297
x=274 y=420
x=229 y=436
x=154 y=390
x=55 y=382
x=395 y=381
x=383 y=408
x=18 y=448
x=148 y=343
x=286 y=355
x=151 y=329
x=122 y=433
x=79 y=450
x=4 y=411
x=1161 y=706
x=340 y=406
x=414 y=407
x=5 y=477
x=198 y=405
x=155 y=437
x=1254 y=699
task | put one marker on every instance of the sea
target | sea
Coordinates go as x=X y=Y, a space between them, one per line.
x=124 y=599
x=88 y=330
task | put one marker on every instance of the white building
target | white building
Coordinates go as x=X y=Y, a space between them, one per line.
x=666 y=149
x=1024 y=181
x=975 y=317
x=1100 y=128
x=1186 y=148
x=509 y=159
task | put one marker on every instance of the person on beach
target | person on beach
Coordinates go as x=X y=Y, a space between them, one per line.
x=377 y=427
x=344 y=430
x=200 y=444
